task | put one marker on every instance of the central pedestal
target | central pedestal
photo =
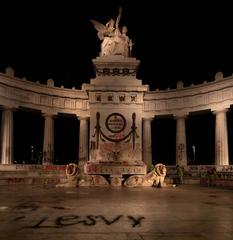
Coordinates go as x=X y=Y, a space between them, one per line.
x=116 y=106
x=115 y=171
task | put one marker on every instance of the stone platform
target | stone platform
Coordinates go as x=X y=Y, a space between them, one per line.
x=31 y=174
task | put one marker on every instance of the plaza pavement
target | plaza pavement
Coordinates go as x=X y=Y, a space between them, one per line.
x=30 y=212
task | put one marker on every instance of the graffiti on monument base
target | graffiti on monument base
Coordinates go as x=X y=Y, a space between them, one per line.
x=110 y=169
x=115 y=152
x=40 y=167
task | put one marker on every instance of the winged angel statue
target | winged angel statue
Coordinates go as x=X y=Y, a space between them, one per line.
x=114 y=40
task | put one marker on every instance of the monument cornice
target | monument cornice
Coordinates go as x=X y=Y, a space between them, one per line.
x=116 y=65
x=217 y=94
x=21 y=92
x=117 y=88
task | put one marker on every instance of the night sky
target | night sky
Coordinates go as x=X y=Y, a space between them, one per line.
x=175 y=40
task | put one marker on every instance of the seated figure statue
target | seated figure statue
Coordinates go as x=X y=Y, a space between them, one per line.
x=114 y=41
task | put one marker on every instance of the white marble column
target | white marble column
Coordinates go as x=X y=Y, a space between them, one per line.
x=147 y=148
x=83 y=139
x=7 y=136
x=221 y=138
x=48 y=146
x=181 y=152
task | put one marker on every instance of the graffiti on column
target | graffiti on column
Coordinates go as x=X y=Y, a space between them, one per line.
x=48 y=155
x=180 y=151
x=219 y=146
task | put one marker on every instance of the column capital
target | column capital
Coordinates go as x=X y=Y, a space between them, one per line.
x=221 y=110
x=11 y=108
x=83 y=117
x=47 y=114
x=147 y=119
x=178 y=116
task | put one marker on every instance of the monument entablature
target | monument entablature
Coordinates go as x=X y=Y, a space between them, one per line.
x=207 y=96
x=46 y=98
x=213 y=95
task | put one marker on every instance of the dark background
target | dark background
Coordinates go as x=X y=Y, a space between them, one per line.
x=175 y=40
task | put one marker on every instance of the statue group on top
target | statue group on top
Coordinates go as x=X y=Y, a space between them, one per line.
x=114 y=40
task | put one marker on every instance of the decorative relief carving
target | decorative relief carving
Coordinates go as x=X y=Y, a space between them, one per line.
x=188 y=102
x=227 y=94
x=206 y=99
x=115 y=122
x=110 y=98
x=105 y=71
x=125 y=71
x=70 y=104
x=156 y=106
x=212 y=97
x=20 y=95
x=117 y=98
x=163 y=104
x=98 y=97
x=67 y=103
x=199 y=100
x=122 y=98
x=56 y=102
x=116 y=72
x=43 y=100
x=172 y=103
x=34 y=98
x=62 y=102
x=133 y=98
x=85 y=104
x=78 y=104
x=50 y=101
x=113 y=127
x=180 y=102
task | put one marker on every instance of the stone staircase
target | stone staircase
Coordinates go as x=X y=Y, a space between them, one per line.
x=31 y=174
